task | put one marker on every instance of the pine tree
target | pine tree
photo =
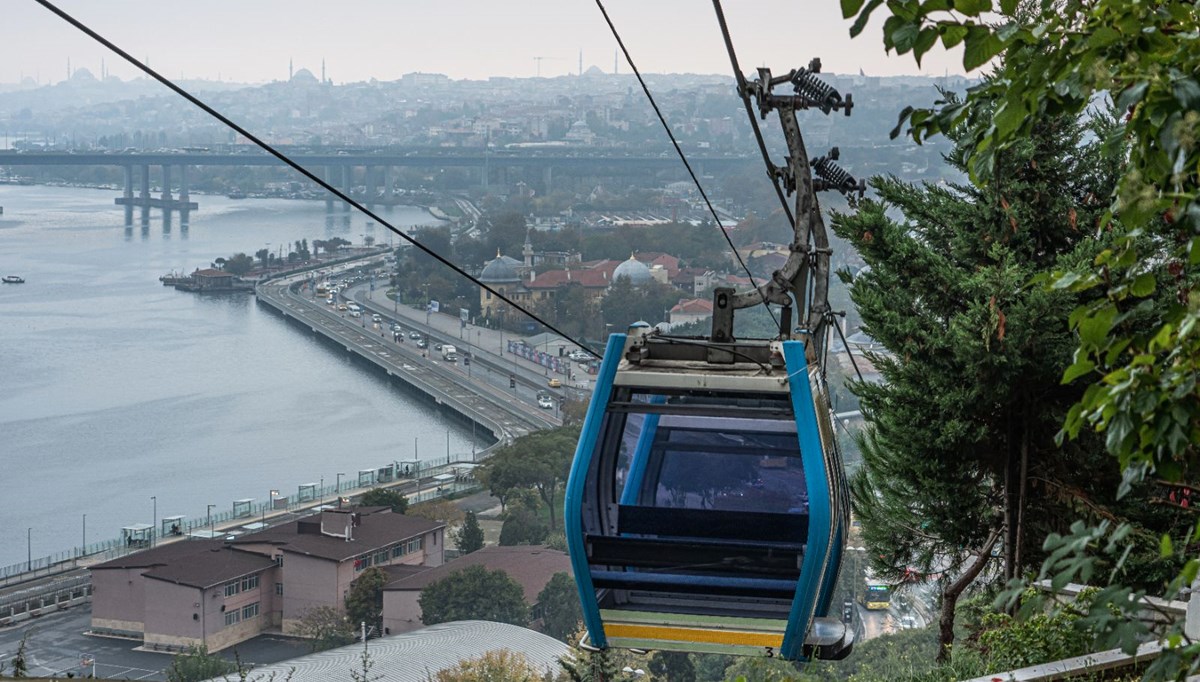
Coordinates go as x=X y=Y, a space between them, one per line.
x=469 y=537
x=962 y=430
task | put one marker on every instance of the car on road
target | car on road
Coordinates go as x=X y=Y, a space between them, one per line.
x=437 y=346
x=341 y=306
x=355 y=313
x=554 y=383
x=579 y=356
x=414 y=335
x=376 y=318
x=397 y=328
x=421 y=343
x=545 y=401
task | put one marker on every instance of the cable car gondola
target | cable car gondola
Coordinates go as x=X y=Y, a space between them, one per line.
x=706 y=508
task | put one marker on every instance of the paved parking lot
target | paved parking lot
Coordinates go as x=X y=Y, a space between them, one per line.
x=57 y=644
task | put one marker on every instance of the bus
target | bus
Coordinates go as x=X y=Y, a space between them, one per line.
x=878 y=594
x=323 y=289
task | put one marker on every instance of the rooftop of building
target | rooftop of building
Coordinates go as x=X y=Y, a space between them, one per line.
x=531 y=566
x=370 y=528
x=416 y=656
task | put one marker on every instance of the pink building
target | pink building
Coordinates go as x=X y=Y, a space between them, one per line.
x=218 y=593
x=531 y=566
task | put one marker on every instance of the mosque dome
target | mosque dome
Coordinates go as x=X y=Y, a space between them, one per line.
x=635 y=270
x=501 y=269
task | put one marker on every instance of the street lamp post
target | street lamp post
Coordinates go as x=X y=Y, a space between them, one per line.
x=322 y=491
x=338 y=487
x=270 y=504
x=208 y=514
x=29 y=549
x=83 y=550
x=154 y=524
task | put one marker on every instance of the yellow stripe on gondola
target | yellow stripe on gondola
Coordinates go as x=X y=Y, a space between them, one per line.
x=674 y=634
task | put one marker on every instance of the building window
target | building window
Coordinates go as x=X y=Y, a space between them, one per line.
x=435 y=539
x=249 y=611
x=381 y=558
x=249 y=583
x=278 y=559
x=397 y=551
x=233 y=617
x=279 y=588
x=232 y=588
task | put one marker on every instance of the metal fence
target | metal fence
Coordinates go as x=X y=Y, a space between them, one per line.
x=227 y=521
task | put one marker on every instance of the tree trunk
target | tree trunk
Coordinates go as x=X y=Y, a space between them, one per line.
x=954 y=591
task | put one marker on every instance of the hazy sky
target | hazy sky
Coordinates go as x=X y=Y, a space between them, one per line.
x=252 y=40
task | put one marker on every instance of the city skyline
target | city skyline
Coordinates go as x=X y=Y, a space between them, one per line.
x=479 y=40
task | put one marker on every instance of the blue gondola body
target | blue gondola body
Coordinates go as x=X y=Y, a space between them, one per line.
x=706 y=509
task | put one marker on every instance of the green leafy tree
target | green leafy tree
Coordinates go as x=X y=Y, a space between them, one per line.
x=559 y=604
x=469 y=536
x=1057 y=58
x=672 y=665
x=325 y=627
x=239 y=264
x=385 y=497
x=522 y=527
x=197 y=664
x=970 y=343
x=364 y=603
x=474 y=593
x=540 y=460
x=263 y=255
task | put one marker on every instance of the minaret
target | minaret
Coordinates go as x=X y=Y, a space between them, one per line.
x=289 y=68
x=527 y=250
x=322 y=70
x=581 y=61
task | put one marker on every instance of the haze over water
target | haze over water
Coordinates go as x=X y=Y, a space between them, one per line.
x=114 y=388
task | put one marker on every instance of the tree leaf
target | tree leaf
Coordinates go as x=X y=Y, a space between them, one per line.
x=981 y=46
x=861 y=22
x=973 y=8
x=850 y=8
x=1077 y=370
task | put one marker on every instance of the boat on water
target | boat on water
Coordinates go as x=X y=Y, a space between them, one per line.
x=13 y=279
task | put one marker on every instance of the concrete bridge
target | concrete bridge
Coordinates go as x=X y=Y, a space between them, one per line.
x=338 y=167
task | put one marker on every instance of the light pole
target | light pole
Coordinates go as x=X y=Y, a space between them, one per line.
x=338 y=487
x=29 y=549
x=83 y=550
x=208 y=513
x=322 y=491
x=154 y=525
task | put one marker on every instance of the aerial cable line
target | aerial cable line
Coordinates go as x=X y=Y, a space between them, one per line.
x=301 y=169
x=682 y=157
x=744 y=93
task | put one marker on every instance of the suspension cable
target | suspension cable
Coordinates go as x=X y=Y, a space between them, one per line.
x=744 y=92
x=683 y=157
x=301 y=169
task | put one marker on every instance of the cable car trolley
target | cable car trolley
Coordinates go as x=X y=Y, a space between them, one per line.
x=706 y=508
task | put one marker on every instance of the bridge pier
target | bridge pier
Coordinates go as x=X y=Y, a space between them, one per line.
x=328 y=177
x=547 y=179
x=147 y=201
x=347 y=174
x=369 y=173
